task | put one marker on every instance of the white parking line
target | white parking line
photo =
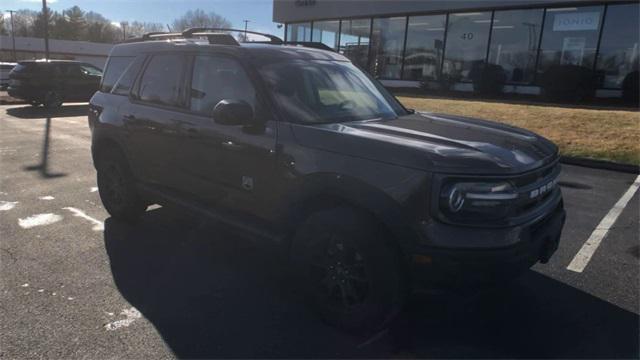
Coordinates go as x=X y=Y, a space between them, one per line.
x=97 y=224
x=583 y=256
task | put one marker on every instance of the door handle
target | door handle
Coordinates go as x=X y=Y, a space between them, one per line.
x=230 y=145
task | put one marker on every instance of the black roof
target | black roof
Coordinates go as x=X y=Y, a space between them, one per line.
x=256 y=51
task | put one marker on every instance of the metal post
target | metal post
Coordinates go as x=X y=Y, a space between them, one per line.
x=245 y=29
x=45 y=14
x=13 y=36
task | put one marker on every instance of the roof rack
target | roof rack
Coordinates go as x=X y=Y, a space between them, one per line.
x=206 y=30
x=310 y=44
x=219 y=36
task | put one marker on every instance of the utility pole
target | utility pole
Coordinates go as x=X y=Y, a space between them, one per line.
x=13 y=36
x=45 y=14
x=124 y=31
x=245 y=30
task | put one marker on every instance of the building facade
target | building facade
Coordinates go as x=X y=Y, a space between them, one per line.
x=429 y=43
x=28 y=48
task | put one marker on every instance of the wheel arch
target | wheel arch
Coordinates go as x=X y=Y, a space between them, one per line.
x=330 y=190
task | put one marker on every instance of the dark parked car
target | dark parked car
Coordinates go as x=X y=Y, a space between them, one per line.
x=299 y=146
x=53 y=82
x=5 y=69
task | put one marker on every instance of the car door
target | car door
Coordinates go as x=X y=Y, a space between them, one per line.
x=233 y=163
x=150 y=119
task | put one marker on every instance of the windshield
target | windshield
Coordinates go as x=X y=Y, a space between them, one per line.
x=320 y=91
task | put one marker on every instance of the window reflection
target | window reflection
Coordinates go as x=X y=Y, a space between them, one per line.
x=466 y=48
x=326 y=32
x=514 y=43
x=425 y=42
x=299 y=32
x=618 y=56
x=570 y=37
x=354 y=40
x=387 y=42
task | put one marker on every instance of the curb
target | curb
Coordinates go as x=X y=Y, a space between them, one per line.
x=600 y=164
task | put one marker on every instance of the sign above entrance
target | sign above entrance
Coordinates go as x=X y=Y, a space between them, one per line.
x=576 y=21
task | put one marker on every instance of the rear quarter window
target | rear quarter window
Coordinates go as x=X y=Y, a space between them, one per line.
x=115 y=67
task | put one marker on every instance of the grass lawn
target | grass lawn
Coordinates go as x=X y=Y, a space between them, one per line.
x=593 y=133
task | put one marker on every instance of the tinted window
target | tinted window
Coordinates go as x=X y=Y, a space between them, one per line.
x=570 y=37
x=299 y=32
x=387 y=42
x=425 y=40
x=90 y=70
x=162 y=80
x=467 y=40
x=354 y=40
x=327 y=92
x=125 y=82
x=115 y=67
x=218 y=78
x=514 y=43
x=326 y=32
x=619 y=47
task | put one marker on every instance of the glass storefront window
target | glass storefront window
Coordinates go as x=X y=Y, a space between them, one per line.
x=425 y=42
x=354 y=40
x=570 y=37
x=514 y=43
x=387 y=43
x=466 y=48
x=618 y=55
x=299 y=32
x=326 y=32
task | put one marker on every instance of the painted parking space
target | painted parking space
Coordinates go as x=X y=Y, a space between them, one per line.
x=178 y=286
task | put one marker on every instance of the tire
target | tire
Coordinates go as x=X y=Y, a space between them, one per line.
x=117 y=188
x=348 y=269
x=34 y=103
x=53 y=100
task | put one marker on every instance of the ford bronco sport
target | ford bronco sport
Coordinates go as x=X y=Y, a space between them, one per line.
x=296 y=144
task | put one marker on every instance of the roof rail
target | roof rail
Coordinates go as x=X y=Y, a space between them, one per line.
x=311 y=44
x=205 y=30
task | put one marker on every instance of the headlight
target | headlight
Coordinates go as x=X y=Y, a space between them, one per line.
x=476 y=201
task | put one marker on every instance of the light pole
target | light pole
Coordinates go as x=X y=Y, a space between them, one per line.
x=45 y=15
x=13 y=36
x=245 y=29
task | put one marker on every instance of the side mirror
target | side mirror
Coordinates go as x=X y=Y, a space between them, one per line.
x=233 y=112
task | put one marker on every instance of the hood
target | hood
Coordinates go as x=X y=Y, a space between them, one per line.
x=434 y=142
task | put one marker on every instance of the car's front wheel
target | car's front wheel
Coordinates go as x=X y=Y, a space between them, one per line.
x=349 y=269
x=117 y=188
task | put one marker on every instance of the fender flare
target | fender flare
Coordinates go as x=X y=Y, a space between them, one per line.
x=329 y=190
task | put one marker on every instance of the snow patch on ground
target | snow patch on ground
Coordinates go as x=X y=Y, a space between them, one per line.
x=39 y=220
x=132 y=314
x=7 y=205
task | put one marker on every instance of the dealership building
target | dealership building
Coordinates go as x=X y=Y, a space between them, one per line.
x=409 y=43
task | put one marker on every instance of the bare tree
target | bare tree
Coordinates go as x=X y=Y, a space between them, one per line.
x=198 y=18
x=138 y=28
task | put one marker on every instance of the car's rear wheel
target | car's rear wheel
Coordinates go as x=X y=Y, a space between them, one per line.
x=348 y=268
x=117 y=188
x=34 y=103
x=53 y=99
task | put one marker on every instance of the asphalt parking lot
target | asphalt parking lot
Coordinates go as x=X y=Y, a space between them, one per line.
x=77 y=284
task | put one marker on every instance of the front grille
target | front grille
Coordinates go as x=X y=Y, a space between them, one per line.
x=536 y=188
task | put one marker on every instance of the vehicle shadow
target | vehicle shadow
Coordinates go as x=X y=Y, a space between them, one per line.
x=31 y=112
x=43 y=167
x=211 y=294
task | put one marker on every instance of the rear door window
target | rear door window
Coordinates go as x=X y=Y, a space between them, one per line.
x=125 y=82
x=115 y=67
x=162 y=80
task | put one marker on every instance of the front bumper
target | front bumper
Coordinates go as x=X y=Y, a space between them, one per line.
x=455 y=267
